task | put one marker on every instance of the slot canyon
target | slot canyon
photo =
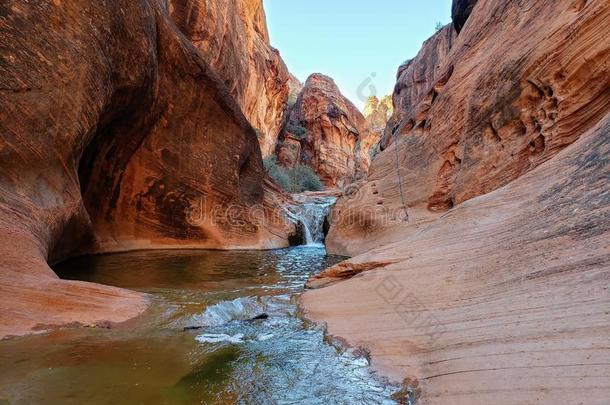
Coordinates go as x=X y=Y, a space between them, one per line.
x=183 y=219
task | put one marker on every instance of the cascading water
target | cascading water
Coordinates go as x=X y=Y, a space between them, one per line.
x=311 y=213
x=222 y=329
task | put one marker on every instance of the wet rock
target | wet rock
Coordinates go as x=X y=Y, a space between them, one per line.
x=259 y=317
x=189 y=328
x=297 y=238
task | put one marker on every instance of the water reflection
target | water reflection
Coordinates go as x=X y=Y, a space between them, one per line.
x=152 y=360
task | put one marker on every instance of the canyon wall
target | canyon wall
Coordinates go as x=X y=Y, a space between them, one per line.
x=480 y=242
x=233 y=37
x=416 y=76
x=502 y=301
x=519 y=84
x=326 y=132
x=377 y=113
x=115 y=134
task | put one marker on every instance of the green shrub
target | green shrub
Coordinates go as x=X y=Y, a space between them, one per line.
x=259 y=134
x=297 y=130
x=305 y=179
x=278 y=173
x=439 y=26
x=300 y=178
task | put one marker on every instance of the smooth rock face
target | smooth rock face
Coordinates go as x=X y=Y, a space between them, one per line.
x=502 y=301
x=460 y=11
x=233 y=37
x=509 y=95
x=114 y=134
x=498 y=287
x=332 y=132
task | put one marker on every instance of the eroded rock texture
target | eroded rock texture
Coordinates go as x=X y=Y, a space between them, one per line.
x=416 y=76
x=502 y=301
x=497 y=290
x=332 y=134
x=377 y=114
x=115 y=134
x=520 y=83
x=233 y=37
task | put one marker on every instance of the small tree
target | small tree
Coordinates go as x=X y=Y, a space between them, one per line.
x=439 y=26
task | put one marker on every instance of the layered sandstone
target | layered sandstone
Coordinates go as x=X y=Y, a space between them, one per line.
x=377 y=114
x=481 y=237
x=519 y=84
x=416 y=76
x=233 y=37
x=502 y=301
x=332 y=133
x=115 y=134
x=295 y=87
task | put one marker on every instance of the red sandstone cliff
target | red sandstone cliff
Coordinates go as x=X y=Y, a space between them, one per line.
x=416 y=77
x=233 y=37
x=377 y=113
x=326 y=132
x=496 y=289
x=114 y=134
x=519 y=84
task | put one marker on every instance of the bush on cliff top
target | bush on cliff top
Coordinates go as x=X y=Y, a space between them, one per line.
x=300 y=178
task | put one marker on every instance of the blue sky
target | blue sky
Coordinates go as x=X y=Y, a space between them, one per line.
x=358 y=43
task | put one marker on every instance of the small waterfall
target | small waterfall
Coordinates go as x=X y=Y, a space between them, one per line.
x=311 y=213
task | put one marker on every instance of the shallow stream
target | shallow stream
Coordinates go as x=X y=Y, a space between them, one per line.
x=231 y=359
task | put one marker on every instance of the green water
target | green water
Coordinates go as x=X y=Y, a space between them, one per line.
x=231 y=360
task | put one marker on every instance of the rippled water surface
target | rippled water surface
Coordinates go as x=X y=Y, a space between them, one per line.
x=231 y=358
